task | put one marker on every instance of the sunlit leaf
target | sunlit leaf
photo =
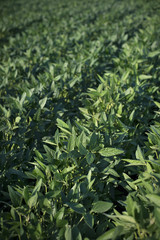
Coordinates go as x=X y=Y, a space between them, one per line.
x=102 y=206
x=42 y=102
x=109 y=152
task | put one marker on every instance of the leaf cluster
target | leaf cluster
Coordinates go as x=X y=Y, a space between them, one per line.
x=79 y=120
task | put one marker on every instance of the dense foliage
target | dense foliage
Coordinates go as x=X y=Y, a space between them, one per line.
x=79 y=119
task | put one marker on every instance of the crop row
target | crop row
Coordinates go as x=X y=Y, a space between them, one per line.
x=79 y=120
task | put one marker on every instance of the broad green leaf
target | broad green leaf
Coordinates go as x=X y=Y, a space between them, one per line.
x=130 y=205
x=89 y=175
x=71 y=143
x=23 y=98
x=131 y=116
x=40 y=165
x=90 y=157
x=17 y=120
x=13 y=213
x=61 y=223
x=56 y=136
x=119 y=230
x=149 y=168
x=101 y=79
x=67 y=170
x=15 y=197
x=42 y=102
x=157 y=103
x=85 y=112
x=76 y=235
x=113 y=172
x=37 y=187
x=38 y=154
x=139 y=155
x=38 y=173
x=49 y=152
x=157 y=215
x=154 y=53
x=26 y=194
x=154 y=198
x=102 y=206
x=109 y=152
x=143 y=77
x=81 y=139
x=82 y=128
x=68 y=232
x=129 y=181
x=77 y=207
x=107 y=235
x=125 y=75
x=93 y=140
x=133 y=162
x=124 y=218
x=82 y=149
x=89 y=220
x=59 y=215
x=32 y=200
x=62 y=124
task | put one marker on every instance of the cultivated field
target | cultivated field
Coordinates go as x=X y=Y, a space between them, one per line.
x=80 y=120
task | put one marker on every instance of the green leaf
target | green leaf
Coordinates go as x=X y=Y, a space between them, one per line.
x=67 y=170
x=130 y=205
x=77 y=207
x=109 y=152
x=26 y=194
x=17 y=120
x=82 y=128
x=15 y=197
x=68 y=232
x=113 y=172
x=62 y=124
x=143 y=77
x=89 y=220
x=157 y=215
x=38 y=173
x=124 y=218
x=49 y=142
x=154 y=199
x=42 y=102
x=32 y=201
x=107 y=235
x=85 y=113
x=154 y=53
x=37 y=187
x=129 y=181
x=139 y=155
x=81 y=139
x=59 y=215
x=90 y=157
x=71 y=143
x=133 y=162
x=76 y=235
x=82 y=150
x=38 y=154
x=101 y=206
x=93 y=141
x=49 y=152
x=157 y=103
x=23 y=98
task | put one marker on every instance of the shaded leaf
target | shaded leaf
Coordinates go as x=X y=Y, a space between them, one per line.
x=77 y=207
